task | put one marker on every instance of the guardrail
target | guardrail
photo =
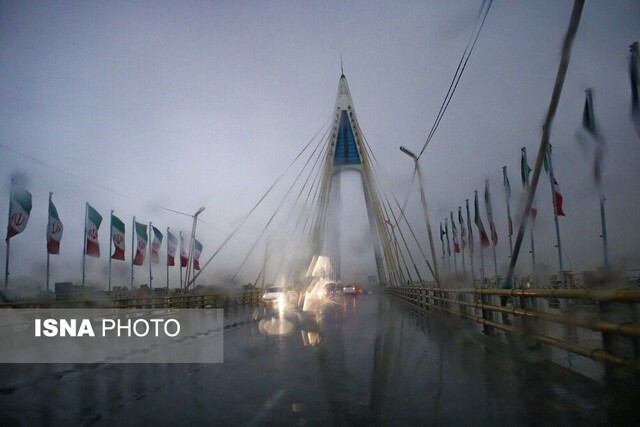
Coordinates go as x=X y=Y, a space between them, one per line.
x=526 y=313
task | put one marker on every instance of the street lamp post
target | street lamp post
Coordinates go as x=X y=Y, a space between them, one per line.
x=191 y=248
x=426 y=214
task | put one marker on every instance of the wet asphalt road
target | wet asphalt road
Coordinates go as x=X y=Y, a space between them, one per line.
x=363 y=360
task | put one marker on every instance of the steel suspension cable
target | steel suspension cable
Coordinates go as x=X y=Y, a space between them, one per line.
x=275 y=213
x=480 y=20
x=235 y=230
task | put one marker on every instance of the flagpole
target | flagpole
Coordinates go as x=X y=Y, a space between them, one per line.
x=84 y=250
x=191 y=247
x=442 y=242
x=461 y=230
x=150 y=255
x=6 y=267
x=47 y=237
x=8 y=239
x=453 y=231
x=555 y=216
x=507 y=192
x=481 y=248
x=168 y=260
x=446 y=234
x=193 y=265
x=110 y=244
x=589 y=123
x=189 y=258
x=470 y=242
x=492 y=227
x=533 y=247
x=181 y=245
x=133 y=254
x=604 y=232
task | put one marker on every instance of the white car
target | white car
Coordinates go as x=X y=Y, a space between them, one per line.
x=349 y=290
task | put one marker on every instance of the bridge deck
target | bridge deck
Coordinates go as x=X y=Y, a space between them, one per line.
x=375 y=363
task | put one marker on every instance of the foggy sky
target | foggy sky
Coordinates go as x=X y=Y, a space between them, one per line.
x=140 y=106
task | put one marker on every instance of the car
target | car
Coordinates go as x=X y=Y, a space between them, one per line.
x=274 y=295
x=349 y=290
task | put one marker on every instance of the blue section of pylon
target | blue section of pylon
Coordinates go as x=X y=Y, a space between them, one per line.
x=346 y=152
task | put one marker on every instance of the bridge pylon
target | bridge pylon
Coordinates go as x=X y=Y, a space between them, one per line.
x=347 y=151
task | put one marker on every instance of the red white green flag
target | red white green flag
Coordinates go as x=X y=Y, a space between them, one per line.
x=172 y=245
x=454 y=230
x=558 y=197
x=441 y=239
x=463 y=230
x=484 y=240
x=487 y=201
x=155 y=245
x=141 y=249
x=19 y=210
x=446 y=235
x=507 y=192
x=184 y=258
x=117 y=235
x=525 y=170
x=54 y=230
x=589 y=124
x=196 y=256
x=91 y=226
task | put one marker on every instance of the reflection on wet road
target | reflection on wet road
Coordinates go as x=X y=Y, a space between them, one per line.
x=361 y=360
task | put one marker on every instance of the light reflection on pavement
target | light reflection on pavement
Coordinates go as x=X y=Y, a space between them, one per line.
x=361 y=360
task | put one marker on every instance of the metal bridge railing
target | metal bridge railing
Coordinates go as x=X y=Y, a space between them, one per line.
x=610 y=335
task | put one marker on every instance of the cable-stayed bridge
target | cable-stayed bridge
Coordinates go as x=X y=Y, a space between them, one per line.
x=421 y=348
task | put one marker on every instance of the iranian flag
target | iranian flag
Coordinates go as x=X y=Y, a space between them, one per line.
x=507 y=192
x=54 y=230
x=463 y=231
x=183 y=252
x=91 y=226
x=487 y=201
x=172 y=245
x=558 y=197
x=441 y=239
x=589 y=124
x=196 y=257
x=155 y=245
x=454 y=230
x=19 y=210
x=141 y=250
x=117 y=235
x=446 y=235
x=525 y=170
x=484 y=240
